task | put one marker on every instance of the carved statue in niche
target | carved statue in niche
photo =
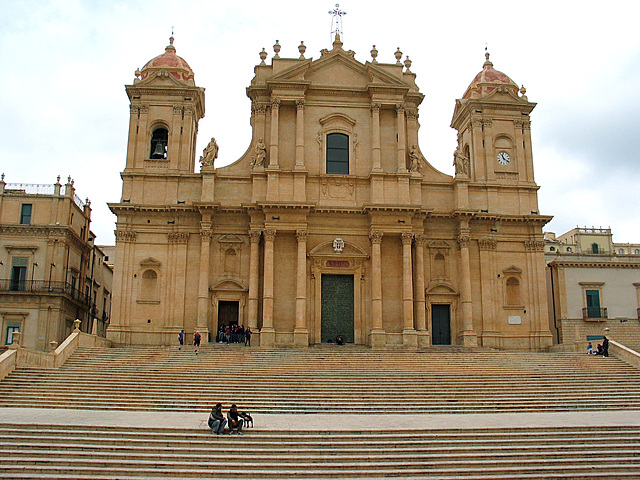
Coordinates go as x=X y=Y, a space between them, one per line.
x=414 y=159
x=209 y=154
x=461 y=163
x=260 y=155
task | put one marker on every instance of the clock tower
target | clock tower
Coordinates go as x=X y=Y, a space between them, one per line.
x=494 y=135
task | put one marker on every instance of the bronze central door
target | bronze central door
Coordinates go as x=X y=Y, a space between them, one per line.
x=337 y=307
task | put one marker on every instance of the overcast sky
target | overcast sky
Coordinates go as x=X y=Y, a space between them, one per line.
x=64 y=64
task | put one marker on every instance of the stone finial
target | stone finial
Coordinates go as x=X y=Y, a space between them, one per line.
x=69 y=179
x=276 y=48
x=263 y=56
x=138 y=73
x=398 y=56
x=337 y=43
x=54 y=345
x=302 y=48
x=15 y=340
x=3 y=177
x=76 y=325
x=374 y=54
x=58 y=179
x=407 y=63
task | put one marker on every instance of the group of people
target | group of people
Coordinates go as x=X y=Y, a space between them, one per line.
x=197 y=338
x=235 y=334
x=601 y=349
x=234 y=421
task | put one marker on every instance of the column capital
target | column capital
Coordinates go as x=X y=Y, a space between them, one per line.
x=270 y=234
x=206 y=234
x=275 y=103
x=259 y=108
x=411 y=113
x=125 y=236
x=301 y=235
x=487 y=244
x=254 y=236
x=375 y=236
x=300 y=104
x=400 y=108
x=534 y=245
x=178 y=237
x=407 y=238
x=463 y=240
x=375 y=107
x=421 y=239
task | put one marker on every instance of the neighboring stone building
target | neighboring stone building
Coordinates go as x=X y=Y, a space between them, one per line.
x=50 y=271
x=593 y=284
x=332 y=222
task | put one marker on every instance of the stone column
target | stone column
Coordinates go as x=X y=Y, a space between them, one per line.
x=275 y=118
x=202 y=324
x=299 y=134
x=420 y=307
x=377 y=335
x=300 y=333
x=267 y=332
x=254 y=261
x=468 y=335
x=402 y=139
x=375 y=124
x=409 y=338
x=489 y=289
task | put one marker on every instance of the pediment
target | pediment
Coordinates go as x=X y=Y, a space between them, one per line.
x=230 y=239
x=338 y=69
x=441 y=288
x=439 y=244
x=229 y=285
x=150 y=262
x=326 y=248
x=512 y=270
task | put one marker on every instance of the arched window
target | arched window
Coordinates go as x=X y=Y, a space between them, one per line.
x=621 y=251
x=569 y=249
x=552 y=249
x=338 y=154
x=149 y=285
x=159 y=143
x=594 y=248
x=636 y=251
x=513 y=291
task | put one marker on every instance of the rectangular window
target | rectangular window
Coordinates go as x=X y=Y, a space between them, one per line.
x=11 y=327
x=25 y=214
x=338 y=154
x=593 y=304
x=18 y=273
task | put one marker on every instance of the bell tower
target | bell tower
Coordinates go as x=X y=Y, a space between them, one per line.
x=165 y=108
x=494 y=135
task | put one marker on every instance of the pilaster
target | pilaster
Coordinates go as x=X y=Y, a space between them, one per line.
x=468 y=336
x=409 y=338
x=300 y=333
x=377 y=334
x=267 y=332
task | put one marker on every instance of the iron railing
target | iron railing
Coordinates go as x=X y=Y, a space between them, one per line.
x=44 y=286
x=594 y=312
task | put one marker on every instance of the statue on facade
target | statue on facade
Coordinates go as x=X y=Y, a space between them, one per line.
x=414 y=159
x=461 y=163
x=209 y=154
x=260 y=155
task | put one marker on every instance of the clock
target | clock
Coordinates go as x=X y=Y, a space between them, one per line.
x=504 y=158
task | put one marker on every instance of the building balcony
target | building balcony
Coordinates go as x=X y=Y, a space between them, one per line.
x=44 y=286
x=589 y=313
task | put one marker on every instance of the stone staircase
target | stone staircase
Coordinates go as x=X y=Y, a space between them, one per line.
x=325 y=380
x=322 y=382
x=66 y=452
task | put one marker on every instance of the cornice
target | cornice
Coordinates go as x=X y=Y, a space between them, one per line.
x=591 y=264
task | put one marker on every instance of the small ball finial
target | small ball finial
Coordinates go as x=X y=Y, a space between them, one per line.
x=263 y=56
x=398 y=56
x=523 y=90
x=171 y=39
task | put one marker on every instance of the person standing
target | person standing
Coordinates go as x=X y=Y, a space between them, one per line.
x=181 y=339
x=605 y=346
x=247 y=337
x=196 y=341
x=216 y=420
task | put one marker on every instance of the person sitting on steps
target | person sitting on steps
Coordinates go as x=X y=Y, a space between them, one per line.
x=235 y=421
x=216 y=420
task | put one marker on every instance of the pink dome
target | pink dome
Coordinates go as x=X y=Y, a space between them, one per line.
x=488 y=80
x=172 y=63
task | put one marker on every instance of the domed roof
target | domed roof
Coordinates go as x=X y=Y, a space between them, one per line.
x=170 y=62
x=488 y=80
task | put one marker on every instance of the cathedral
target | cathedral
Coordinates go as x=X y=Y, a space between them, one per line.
x=332 y=222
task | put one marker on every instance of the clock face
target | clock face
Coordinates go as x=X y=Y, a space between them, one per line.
x=504 y=158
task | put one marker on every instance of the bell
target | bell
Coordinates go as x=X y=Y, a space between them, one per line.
x=159 y=150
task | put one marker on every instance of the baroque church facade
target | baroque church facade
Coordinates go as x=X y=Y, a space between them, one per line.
x=332 y=222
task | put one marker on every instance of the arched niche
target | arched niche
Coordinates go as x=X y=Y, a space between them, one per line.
x=442 y=293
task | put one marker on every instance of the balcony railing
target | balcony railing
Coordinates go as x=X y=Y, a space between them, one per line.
x=43 y=286
x=594 y=312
